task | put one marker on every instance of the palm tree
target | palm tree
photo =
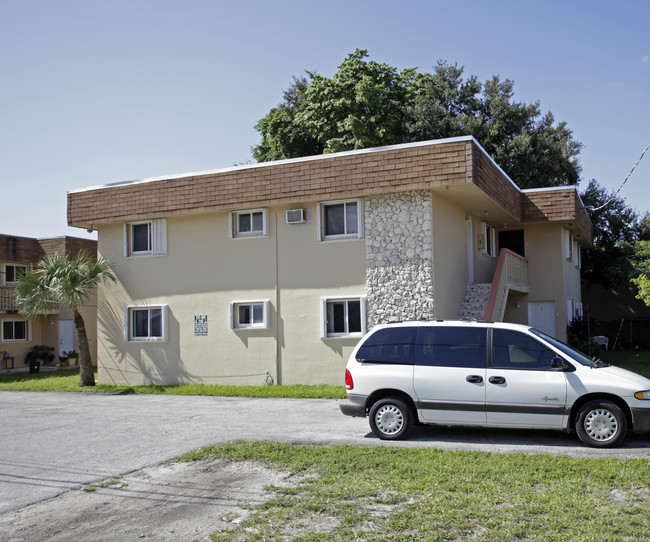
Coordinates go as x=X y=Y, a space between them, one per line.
x=59 y=280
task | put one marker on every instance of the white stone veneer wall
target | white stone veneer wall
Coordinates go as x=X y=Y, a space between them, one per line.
x=399 y=257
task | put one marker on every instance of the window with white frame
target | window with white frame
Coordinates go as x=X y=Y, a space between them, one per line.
x=145 y=237
x=248 y=223
x=15 y=330
x=488 y=245
x=249 y=314
x=341 y=219
x=12 y=273
x=577 y=256
x=574 y=309
x=343 y=316
x=569 y=246
x=146 y=323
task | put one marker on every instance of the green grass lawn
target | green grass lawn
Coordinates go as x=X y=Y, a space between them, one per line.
x=375 y=493
x=634 y=360
x=67 y=380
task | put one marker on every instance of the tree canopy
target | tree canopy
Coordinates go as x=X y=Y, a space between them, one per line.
x=368 y=104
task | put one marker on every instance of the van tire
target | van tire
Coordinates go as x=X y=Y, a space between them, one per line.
x=391 y=418
x=601 y=424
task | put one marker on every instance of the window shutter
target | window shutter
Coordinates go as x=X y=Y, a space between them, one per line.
x=361 y=230
x=159 y=236
x=232 y=313
x=127 y=310
x=266 y=313
x=163 y=313
x=126 y=240
x=323 y=317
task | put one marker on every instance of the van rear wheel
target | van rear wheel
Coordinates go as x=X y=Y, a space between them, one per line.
x=391 y=419
x=601 y=424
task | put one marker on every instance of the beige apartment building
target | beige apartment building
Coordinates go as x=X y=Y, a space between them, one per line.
x=275 y=270
x=18 y=334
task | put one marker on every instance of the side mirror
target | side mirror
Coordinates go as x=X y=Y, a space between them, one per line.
x=558 y=364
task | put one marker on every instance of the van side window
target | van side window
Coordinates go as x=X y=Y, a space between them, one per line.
x=389 y=345
x=515 y=350
x=451 y=347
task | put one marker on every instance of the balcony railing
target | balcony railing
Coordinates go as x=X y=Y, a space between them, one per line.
x=511 y=274
x=7 y=301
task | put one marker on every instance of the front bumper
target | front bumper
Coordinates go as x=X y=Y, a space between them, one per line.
x=355 y=405
x=641 y=420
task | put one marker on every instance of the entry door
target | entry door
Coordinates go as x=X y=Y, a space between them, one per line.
x=541 y=315
x=66 y=336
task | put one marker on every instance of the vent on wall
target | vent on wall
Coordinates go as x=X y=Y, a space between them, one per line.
x=295 y=216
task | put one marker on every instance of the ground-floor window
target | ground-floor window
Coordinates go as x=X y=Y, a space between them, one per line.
x=343 y=317
x=146 y=323
x=249 y=314
x=15 y=330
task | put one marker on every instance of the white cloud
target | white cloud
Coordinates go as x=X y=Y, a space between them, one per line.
x=646 y=59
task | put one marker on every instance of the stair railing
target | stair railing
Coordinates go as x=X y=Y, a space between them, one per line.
x=511 y=274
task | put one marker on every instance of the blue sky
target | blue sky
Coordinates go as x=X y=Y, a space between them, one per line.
x=95 y=92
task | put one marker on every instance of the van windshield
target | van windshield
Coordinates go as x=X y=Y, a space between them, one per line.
x=574 y=354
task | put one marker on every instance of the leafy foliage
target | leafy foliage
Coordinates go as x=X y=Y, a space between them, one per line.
x=619 y=250
x=643 y=284
x=368 y=104
x=58 y=280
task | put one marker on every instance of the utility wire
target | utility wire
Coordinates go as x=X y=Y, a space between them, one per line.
x=622 y=184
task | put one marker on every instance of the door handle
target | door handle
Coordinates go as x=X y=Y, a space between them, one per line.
x=497 y=380
x=474 y=379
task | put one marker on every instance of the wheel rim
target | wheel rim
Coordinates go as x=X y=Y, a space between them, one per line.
x=601 y=425
x=389 y=419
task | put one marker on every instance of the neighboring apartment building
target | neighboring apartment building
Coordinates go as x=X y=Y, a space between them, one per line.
x=17 y=333
x=279 y=268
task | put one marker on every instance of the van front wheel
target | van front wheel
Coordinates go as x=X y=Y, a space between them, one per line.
x=601 y=424
x=391 y=418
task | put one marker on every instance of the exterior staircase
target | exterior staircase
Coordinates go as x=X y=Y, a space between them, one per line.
x=475 y=301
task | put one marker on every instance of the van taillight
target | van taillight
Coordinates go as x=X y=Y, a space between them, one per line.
x=349 y=383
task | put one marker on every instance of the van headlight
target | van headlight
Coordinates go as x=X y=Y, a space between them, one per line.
x=643 y=395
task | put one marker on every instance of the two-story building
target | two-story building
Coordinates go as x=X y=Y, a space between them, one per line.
x=56 y=329
x=277 y=269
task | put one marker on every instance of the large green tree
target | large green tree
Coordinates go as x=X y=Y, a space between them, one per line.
x=59 y=280
x=368 y=104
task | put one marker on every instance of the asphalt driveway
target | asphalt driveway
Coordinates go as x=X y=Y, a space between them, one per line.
x=51 y=443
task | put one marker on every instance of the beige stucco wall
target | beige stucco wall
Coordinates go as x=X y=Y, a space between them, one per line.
x=450 y=259
x=548 y=275
x=203 y=272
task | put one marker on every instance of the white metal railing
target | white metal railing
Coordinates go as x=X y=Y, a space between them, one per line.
x=511 y=274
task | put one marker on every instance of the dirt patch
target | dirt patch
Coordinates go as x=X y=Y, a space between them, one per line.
x=170 y=502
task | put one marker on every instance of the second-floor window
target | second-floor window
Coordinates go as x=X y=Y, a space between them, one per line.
x=341 y=219
x=146 y=237
x=248 y=223
x=12 y=273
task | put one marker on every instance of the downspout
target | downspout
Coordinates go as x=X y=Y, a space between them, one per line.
x=278 y=347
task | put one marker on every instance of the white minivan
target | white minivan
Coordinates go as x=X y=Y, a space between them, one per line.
x=489 y=374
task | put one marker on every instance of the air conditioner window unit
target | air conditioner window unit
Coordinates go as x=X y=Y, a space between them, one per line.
x=296 y=216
